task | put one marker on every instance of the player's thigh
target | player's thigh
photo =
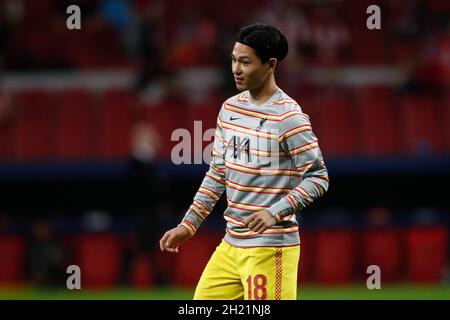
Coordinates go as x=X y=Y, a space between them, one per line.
x=220 y=279
x=271 y=273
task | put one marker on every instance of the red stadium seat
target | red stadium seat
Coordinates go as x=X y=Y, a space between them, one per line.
x=12 y=254
x=381 y=247
x=308 y=103
x=75 y=125
x=335 y=256
x=427 y=253
x=99 y=258
x=307 y=251
x=141 y=272
x=423 y=124
x=379 y=122
x=6 y=139
x=202 y=116
x=193 y=258
x=437 y=6
x=404 y=51
x=165 y=120
x=338 y=132
x=367 y=47
x=205 y=112
x=114 y=124
x=162 y=263
x=38 y=12
x=34 y=132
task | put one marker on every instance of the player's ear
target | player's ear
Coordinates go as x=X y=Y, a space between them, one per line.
x=272 y=63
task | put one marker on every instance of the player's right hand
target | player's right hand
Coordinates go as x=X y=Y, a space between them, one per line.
x=173 y=238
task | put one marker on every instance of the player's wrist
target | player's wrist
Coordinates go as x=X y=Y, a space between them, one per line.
x=280 y=208
x=186 y=229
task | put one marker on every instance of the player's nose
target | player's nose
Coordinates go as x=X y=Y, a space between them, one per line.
x=236 y=70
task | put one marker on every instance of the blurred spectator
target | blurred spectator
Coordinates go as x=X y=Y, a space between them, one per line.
x=328 y=36
x=321 y=37
x=11 y=15
x=409 y=21
x=431 y=71
x=123 y=17
x=146 y=191
x=5 y=221
x=436 y=68
x=118 y=13
x=3 y=38
x=378 y=217
x=149 y=45
x=187 y=51
x=292 y=21
x=96 y=221
x=146 y=142
x=44 y=262
x=5 y=106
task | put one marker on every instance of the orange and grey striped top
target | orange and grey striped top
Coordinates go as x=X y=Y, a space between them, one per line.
x=264 y=157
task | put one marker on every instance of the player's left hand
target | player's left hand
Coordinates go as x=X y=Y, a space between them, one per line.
x=260 y=221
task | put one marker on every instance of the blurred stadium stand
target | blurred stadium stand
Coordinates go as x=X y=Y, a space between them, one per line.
x=80 y=110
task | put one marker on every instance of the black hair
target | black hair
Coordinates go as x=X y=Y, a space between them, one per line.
x=267 y=41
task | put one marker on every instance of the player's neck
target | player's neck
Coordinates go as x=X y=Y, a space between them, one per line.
x=265 y=92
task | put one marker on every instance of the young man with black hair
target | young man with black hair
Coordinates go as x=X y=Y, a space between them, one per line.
x=268 y=160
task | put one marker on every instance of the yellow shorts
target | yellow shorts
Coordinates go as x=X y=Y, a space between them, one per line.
x=263 y=273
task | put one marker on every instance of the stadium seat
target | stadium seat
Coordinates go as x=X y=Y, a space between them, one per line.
x=142 y=272
x=309 y=104
x=114 y=124
x=338 y=134
x=422 y=128
x=437 y=6
x=206 y=112
x=75 y=125
x=382 y=247
x=34 y=129
x=6 y=139
x=306 y=265
x=162 y=263
x=335 y=256
x=193 y=258
x=204 y=117
x=367 y=47
x=12 y=255
x=378 y=121
x=99 y=258
x=404 y=50
x=165 y=119
x=427 y=254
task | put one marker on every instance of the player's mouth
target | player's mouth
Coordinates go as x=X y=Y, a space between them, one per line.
x=238 y=80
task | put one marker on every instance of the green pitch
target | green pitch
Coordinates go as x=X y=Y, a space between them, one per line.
x=392 y=292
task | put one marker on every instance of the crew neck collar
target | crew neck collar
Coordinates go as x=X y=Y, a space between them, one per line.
x=268 y=101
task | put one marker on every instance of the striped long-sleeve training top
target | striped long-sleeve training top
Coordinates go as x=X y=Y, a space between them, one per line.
x=265 y=157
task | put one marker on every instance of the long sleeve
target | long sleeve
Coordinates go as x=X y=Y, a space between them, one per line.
x=211 y=188
x=298 y=140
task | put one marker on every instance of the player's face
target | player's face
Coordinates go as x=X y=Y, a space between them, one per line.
x=248 y=70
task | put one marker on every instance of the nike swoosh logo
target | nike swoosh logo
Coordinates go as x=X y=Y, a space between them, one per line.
x=232 y=119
